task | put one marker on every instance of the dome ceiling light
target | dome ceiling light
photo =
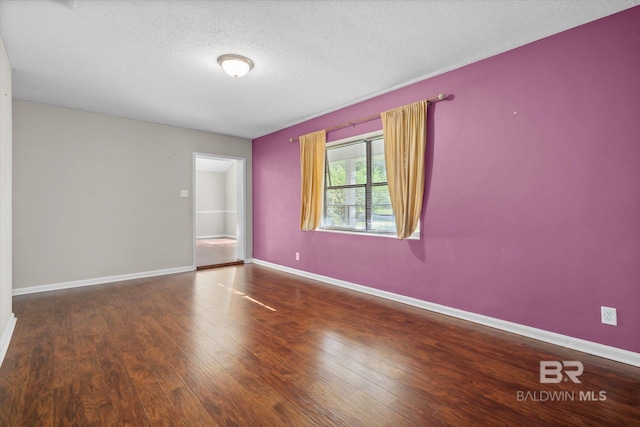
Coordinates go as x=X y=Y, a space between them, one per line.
x=235 y=65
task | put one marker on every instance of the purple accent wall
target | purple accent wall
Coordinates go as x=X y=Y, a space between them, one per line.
x=532 y=204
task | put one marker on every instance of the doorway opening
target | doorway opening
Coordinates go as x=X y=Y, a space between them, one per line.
x=219 y=211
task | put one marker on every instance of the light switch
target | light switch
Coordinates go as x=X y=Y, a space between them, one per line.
x=184 y=193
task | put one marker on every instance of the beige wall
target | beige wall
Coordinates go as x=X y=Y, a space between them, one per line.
x=230 y=196
x=210 y=196
x=5 y=200
x=210 y=187
x=97 y=196
x=216 y=206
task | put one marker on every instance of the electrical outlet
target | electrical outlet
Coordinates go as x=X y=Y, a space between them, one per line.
x=297 y=256
x=609 y=316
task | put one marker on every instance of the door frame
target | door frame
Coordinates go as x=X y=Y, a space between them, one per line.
x=241 y=208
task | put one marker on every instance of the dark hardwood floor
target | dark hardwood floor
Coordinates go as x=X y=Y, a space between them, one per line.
x=250 y=346
x=218 y=252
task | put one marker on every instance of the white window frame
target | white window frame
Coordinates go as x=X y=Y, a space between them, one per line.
x=323 y=228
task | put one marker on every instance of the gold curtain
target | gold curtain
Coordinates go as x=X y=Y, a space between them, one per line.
x=312 y=153
x=404 y=131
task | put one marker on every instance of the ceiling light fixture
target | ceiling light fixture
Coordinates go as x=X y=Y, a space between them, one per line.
x=235 y=65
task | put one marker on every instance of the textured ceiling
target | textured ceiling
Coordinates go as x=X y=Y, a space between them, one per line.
x=156 y=60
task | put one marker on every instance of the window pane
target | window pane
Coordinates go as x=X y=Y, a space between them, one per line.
x=379 y=172
x=347 y=165
x=345 y=208
x=382 y=219
x=337 y=174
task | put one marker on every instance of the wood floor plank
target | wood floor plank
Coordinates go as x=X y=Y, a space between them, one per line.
x=249 y=346
x=38 y=400
x=69 y=409
x=122 y=391
x=157 y=405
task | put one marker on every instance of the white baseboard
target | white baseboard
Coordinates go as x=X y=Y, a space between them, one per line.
x=99 y=280
x=601 y=350
x=216 y=236
x=6 y=337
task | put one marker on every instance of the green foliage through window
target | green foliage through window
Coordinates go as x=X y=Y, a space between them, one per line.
x=356 y=191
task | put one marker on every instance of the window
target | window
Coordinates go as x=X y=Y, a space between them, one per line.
x=356 y=195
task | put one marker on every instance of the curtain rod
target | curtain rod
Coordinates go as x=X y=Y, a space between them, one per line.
x=440 y=97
